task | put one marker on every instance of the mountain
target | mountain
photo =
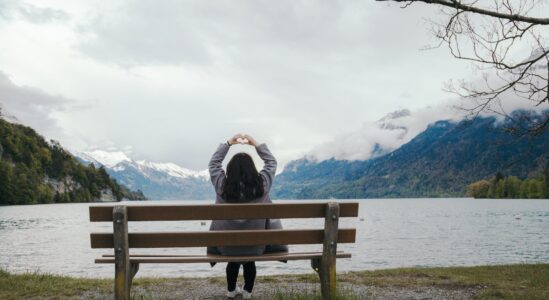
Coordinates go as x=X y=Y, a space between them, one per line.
x=157 y=180
x=440 y=161
x=375 y=139
x=33 y=170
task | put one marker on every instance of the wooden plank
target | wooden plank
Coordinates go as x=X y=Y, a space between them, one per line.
x=103 y=213
x=327 y=272
x=219 y=258
x=195 y=255
x=122 y=275
x=222 y=238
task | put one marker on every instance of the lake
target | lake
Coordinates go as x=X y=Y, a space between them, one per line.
x=391 y=233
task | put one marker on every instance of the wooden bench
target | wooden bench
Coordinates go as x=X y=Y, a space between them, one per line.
x=126 y=265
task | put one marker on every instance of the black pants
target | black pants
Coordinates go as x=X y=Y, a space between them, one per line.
x=249 y=275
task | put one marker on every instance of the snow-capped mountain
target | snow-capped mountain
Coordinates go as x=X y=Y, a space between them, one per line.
x=156 y=180
x=103 y=158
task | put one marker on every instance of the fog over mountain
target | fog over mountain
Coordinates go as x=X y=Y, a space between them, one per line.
x=380 y=137
x=438 y=162
x=375 y=138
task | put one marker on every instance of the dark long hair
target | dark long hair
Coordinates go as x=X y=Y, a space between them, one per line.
x=243 y=182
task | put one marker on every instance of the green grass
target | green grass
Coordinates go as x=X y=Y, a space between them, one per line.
x=494 y=282
x=46 y=286
x=497 y=282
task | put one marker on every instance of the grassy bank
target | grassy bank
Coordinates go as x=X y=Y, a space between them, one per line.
x=488 y=282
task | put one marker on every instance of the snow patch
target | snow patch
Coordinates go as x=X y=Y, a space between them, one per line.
x=118 y=161
x=106 y=158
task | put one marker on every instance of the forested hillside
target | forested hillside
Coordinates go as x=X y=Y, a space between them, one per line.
x=33 y=170
x=439 y=162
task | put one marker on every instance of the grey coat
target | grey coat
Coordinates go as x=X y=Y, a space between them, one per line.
x=217 y=175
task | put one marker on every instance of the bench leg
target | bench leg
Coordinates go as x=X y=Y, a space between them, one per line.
x=134 y=267
x=122 y=283
x=327 y=275
x=315 y=264
x=327 y=272
x=122 y=268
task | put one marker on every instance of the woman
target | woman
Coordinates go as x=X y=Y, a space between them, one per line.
x=242 y=184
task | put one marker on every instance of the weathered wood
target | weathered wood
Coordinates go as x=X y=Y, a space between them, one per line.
x=126 y=266
x=122 y=275
x=200 y=255
x=223 y=238
x=222 y=211
x=221 y=258
x=327 y=272
x=134 y=268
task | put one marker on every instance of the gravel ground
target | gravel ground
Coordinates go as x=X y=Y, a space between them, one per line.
x=215 y=289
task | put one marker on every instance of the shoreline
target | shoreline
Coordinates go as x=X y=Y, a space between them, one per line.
x=125 y=201
x=529 y=281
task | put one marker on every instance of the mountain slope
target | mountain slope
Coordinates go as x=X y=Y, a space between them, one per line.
x=159 y=181
x=441 y=161
x=35 y=171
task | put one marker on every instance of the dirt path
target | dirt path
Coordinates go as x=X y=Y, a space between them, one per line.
x=215 y=289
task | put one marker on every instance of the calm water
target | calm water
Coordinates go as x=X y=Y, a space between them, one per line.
x=391 y=233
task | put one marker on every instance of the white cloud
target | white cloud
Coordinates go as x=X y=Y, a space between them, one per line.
x=31 y=106
x=400 y=127
x=11 y=9
x=384 y=135
x=172 y=79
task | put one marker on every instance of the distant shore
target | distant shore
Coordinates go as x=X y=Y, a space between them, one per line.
x=479 y=282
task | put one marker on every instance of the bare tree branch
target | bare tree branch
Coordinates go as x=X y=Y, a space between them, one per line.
x=470 y=8
x=490 y=37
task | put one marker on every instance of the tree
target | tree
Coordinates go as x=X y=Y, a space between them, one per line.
x=489 y=36
x=546 y=181
x=479 y=189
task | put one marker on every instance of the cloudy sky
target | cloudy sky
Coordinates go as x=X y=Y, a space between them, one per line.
x=167 y=81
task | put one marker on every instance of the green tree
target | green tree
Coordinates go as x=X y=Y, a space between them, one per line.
x=546 y=181
x=512 y=187
x=534 y=189
x=6 y=183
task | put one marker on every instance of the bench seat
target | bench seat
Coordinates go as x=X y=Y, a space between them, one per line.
x=168 y=259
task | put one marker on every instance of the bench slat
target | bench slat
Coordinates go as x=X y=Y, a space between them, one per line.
x=194 y=255
x=222 y=238
x=103 y=213
x=219 y=258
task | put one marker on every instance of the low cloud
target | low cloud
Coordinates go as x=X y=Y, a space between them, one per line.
x=31 y=106
x=39 y=15
x=383 y=135
x=400 y=127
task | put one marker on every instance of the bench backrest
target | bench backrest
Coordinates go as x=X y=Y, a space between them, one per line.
x=120 y=215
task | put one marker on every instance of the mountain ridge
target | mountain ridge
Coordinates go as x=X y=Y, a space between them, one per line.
x=439 y=162
x=159 y=181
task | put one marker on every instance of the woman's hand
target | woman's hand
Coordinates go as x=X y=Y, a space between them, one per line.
x=248 y=139
x=243 y=139
x=236 y=139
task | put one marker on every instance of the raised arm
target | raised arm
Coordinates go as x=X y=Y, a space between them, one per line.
x=269 y=168
x=217 y=175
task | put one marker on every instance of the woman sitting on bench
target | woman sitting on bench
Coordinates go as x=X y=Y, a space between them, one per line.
x=243 y=184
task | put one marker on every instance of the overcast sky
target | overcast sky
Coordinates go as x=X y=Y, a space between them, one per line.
x=167 y=81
